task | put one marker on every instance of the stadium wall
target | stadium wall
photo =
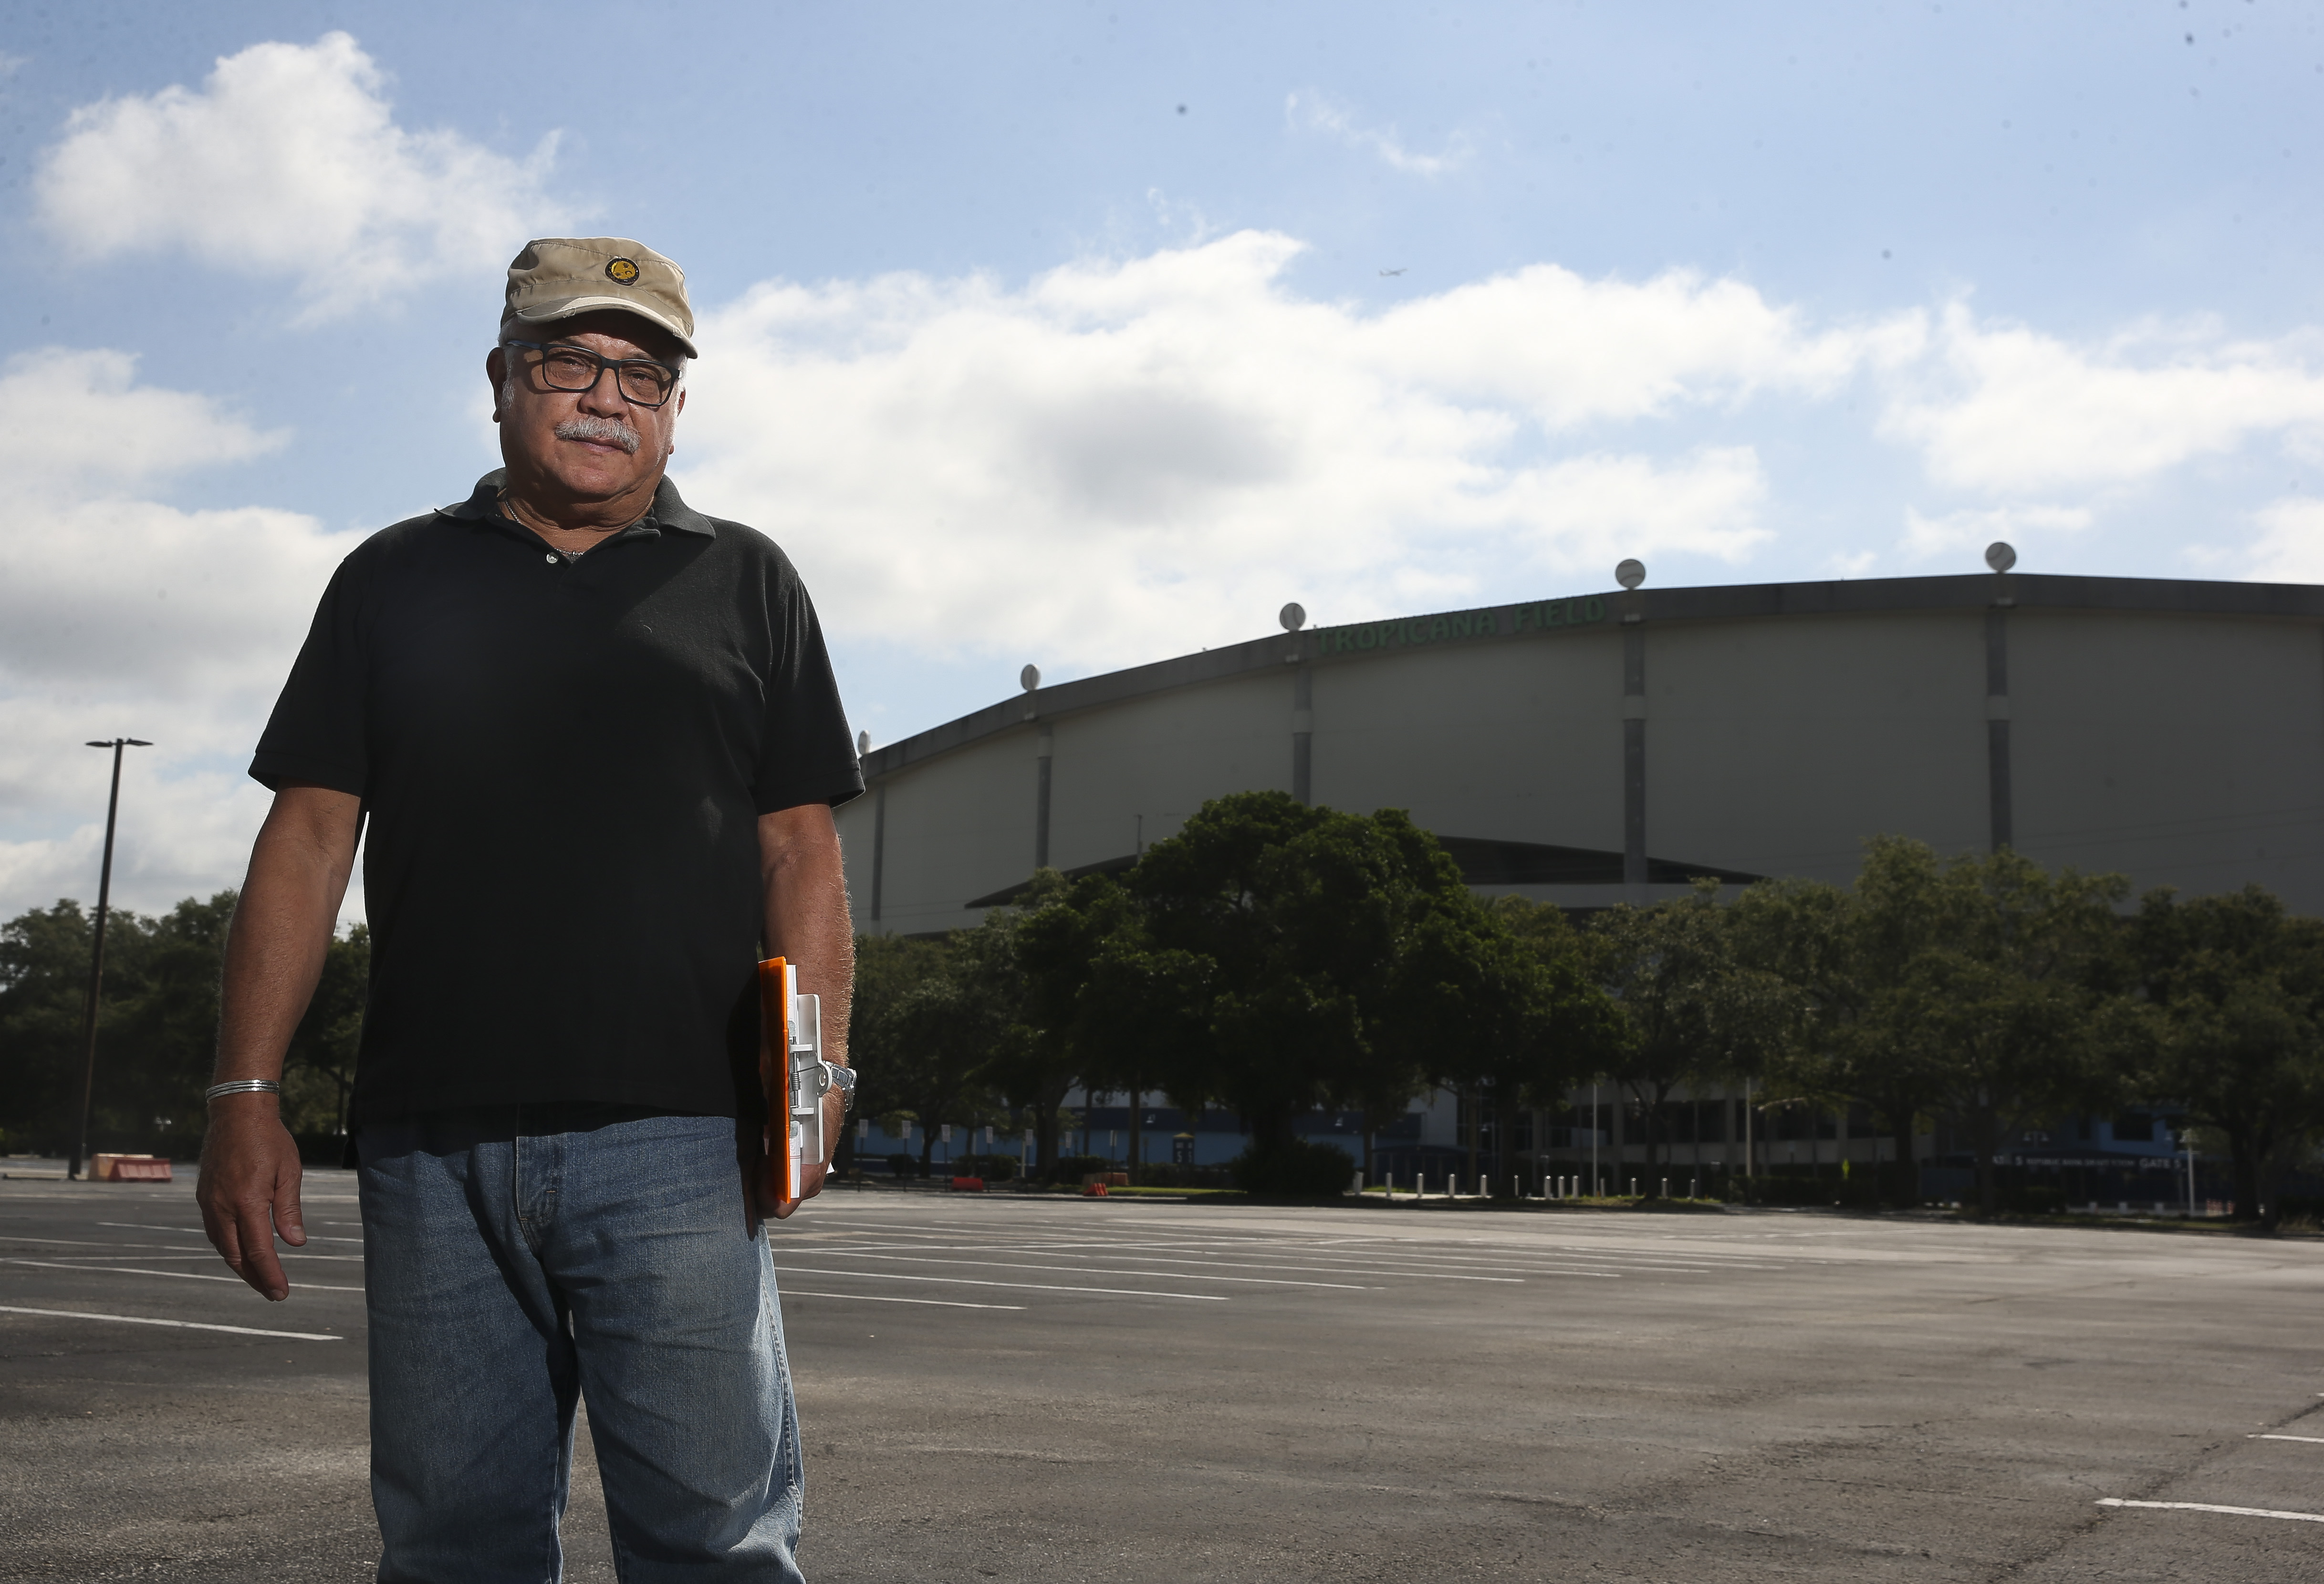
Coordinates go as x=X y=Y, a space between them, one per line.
x=1602 y=748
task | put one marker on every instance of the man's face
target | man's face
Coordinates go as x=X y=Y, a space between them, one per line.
x=590 y=445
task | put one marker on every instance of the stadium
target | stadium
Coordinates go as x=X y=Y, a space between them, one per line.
x=1597 y=748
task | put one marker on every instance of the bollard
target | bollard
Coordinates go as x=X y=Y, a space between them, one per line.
x=1694 y=1187
x=1634 y=1187
x=1666 y=1188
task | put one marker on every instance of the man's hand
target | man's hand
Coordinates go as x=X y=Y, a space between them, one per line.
x=249 y=1190
x=834 y=1118
x=298 y=870
x=805 y=890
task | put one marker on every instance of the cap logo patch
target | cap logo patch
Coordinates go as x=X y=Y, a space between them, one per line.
x=621 y=272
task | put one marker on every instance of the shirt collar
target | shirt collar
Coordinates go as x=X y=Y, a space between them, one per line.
x=668 y=509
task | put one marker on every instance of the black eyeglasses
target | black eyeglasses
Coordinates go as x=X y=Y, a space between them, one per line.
x=641 y=381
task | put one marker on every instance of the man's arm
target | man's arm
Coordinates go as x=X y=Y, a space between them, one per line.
x=274 y=951
x=804 y=891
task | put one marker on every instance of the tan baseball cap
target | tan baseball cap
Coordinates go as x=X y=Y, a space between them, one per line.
x=557 y=276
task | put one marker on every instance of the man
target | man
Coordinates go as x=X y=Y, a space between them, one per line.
x=596 y=741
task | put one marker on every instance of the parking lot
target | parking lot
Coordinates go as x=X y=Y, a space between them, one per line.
x=1044 y=1390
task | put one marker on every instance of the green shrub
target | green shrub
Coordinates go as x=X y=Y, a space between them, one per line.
x=903 y=1165
x=1792 y=1191
x=2030 y=1198
x=1171 y=1175
x=1298 y=1170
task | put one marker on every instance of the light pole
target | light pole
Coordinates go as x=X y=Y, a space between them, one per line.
x=96 y=953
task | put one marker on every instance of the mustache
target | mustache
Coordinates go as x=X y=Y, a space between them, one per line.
x=609 y=430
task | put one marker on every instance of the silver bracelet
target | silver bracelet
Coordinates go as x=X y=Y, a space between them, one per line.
x=242 y=1086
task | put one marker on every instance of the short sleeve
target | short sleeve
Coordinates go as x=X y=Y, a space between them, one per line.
x=318 y=732
x=805 y=754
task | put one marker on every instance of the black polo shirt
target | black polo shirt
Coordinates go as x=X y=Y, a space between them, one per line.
x=562 y=761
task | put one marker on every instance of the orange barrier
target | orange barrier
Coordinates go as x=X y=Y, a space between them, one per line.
x=968 y=1184
x=1094 y=1189
x=128 y=1168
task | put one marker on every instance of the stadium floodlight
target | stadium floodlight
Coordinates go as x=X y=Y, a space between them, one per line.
x=1294 y=616
x=862 y=743
x=1631 y=573
x=1030 y=678
x=2000 y=556
x=97 y=953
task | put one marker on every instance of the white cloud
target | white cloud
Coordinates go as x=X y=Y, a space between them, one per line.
x=77 y=420
x=2290 y=547
x=1314 y=111
x=1129 y=459
x=121 y=616
x=182 y=832
x=1570 y=350
x=2008 y=409
x=1955 y=531
x=287 y=161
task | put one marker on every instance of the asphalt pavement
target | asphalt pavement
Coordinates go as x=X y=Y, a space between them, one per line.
x=1020 y=1388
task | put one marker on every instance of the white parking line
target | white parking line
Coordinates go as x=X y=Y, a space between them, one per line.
x=191 y=1325
x=1082 y=1270
x=150 y=1227
x=197 y=1231
x=889 y=1276
x=2311 y=1439
x=166 y=1253
x=2115 y=1501
x=1409 y=1261
x=876 y=1298
x=109 y=1243
x=1212 y=1263
x=183 y=1276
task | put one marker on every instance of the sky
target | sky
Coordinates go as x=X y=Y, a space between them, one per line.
x=1086 y=335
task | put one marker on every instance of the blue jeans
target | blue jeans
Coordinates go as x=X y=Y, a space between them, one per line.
x=519 y=1259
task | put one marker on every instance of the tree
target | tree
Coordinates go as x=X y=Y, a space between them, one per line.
x=44 y=980
x=1696 y=1011
x=1503 y=996
x=2235 y=990
x=2007 y=1006
x=1848 y=954
x=157 y=1023
x=1304 y=916
x=318 y=1071
x=927 y=1023
x=165 y=1019
x=1055 y=935
x=1138 y=1014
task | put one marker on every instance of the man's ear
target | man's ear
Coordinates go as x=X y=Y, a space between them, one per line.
x=496 y=375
